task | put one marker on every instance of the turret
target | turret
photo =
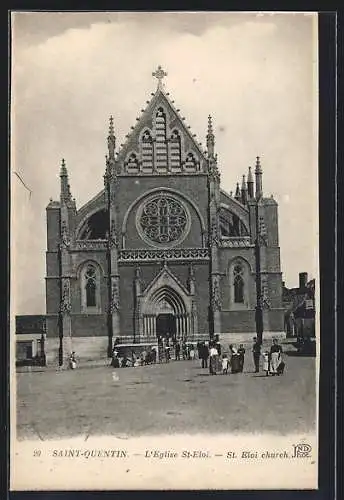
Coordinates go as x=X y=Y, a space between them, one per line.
x=237 y=195
x=65 y=194
x=259 y=179
x=243 y=191
x=111 y=140
x=250 y=184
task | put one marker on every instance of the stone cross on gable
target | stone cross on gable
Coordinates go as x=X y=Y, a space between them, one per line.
x=159 y=74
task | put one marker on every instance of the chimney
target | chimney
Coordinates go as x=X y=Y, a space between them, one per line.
x=303 y=278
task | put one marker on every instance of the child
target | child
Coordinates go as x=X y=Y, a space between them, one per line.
x=225 y=364
x=266 y=363
x=72 y=361
x=115 y=360
x=280 y=368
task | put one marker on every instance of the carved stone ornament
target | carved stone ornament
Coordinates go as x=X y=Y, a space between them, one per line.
x=113 y=234
x=214 y=232
x=191 y=273
x=114 y=297
x=263 y=236
x=65 y=235
x=236 y=242
x=216 y=295
x=65 y=303
x=214 y=171
x=90 y=245
x=266 y=304
x=148 y=255
x=163 y=219
x=191 y=280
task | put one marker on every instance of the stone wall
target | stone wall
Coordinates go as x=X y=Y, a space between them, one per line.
x=86 y=349
x=244 y=321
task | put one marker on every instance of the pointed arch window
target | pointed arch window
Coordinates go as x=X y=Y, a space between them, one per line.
x=160 y=135
x=190 y=162
x=90 y=289
x=238 y=284
x=147 y=150
x=91 y=286
x=175 y=150
x=239 y=277
x=132 y=163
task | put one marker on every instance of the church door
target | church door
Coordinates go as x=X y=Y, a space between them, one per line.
x=166 y=325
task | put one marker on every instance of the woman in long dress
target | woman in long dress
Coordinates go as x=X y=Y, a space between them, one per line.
x=213 y=362
x=275 y=357
x=235 y=360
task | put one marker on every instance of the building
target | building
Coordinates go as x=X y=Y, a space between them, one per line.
x=299 y=304
x=30 y=340
x=162 y=249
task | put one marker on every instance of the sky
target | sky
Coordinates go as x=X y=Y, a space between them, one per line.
x=255 y=73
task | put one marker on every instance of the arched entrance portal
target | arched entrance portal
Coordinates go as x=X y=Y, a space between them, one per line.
x=166 y=315
x=166 y=308
x=166 y=325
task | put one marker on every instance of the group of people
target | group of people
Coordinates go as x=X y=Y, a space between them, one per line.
x=165 y=350
x=210 y=353
x=146 y=357
x=273 y=363
x=234 y=360
x=171 y=347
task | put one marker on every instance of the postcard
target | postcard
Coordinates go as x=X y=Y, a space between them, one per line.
x=164 y=251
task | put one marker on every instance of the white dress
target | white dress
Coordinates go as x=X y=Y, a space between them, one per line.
x=275 y=361
x=225 y=364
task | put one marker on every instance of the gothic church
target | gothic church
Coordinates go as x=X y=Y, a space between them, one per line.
x=162 y=249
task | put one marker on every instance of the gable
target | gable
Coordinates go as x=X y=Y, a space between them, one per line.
x=165 y=278
x=160 y=142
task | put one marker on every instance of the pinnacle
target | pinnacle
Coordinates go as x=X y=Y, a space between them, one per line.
x=111 y=128
x=63 y=170
x=210 y=125
x=258 y=165
x=249 y=177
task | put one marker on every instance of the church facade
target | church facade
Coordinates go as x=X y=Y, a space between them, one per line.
x=162 y=249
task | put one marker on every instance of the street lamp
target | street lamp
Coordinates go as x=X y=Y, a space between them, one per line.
x=259 y=310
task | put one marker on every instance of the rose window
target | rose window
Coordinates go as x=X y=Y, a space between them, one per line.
x=163 y=220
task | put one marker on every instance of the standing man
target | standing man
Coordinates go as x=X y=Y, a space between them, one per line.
x=177 y=351
x=241 y=352
x=204 y=354
x=256 y=354
x=167 y=350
